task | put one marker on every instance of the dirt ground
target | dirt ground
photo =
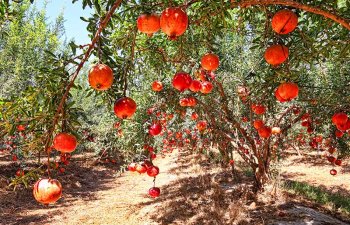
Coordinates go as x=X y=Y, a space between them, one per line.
x=192 y=192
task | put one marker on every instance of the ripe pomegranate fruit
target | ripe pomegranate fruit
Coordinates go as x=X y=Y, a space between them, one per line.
x=245 y=119
x=264 y=132
x=155 y=129
x=201 y=125
x=195 y=86
x=65 y=142
x=141 y=168
x=194 y=116
x=148 y=24
x=284 y=21
x=344 y=127
x=183 y=102
x=338 y=162
x=288 y=91
x=339 y=118
x=333 y=172
x=19 y=173
x=125 y=107
x=47 y=191
x=278 y=96
x=132 y=167
x=339 y=134
x=101 y=77
x=258 y=124
x=258 y=109
x=157 y=86
x=14 y=157
x=21 y=127
x=207 y=87
x=154 y=192
x=153 y=171
x=276 y=54
x=173 y=22
x=192 y=101
x=210 y=62
x=181 y=81
x=331 y=159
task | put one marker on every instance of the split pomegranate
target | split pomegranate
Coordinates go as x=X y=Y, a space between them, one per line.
x=132 y=167
x=101 y=77
x=207 y=87
x=264 y=132
x=195 y=86
x=210 y=62
x=155 y=129
x=288 y=91
x=153 y=171
x=276 y=54
x=157 y=86
x=340 y=118
x=47 y=191
x=154 y=192
x=65 y=142
x=125 y=107
x=258 y=124
x=148 y=24
x=284 y=21
x=173 y=22
x=181 y=81
x=333 y=172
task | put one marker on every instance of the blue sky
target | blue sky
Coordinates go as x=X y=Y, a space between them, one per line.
x=74 y=26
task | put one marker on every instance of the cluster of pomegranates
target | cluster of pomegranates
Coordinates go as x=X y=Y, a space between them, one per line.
x=151 y=170
x=283 y=22
x=173 y=22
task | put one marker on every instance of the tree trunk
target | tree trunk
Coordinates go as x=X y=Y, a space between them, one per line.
x=261 y=177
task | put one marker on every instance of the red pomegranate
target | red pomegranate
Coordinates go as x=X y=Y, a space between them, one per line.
x=157 y=86
x=154 y=192
x=153 y=171
x=276 y=54
x=245 y=119
x=195 y=86
x=173 y=22
x=258 y=109
x=192 y=101
x=132 y=167
x=288 y=91
x=21 y=127
x=125 y=107
x=148 y=24
x=258 y=124
x=339 y=118
x=65 y=142
x=331 y=159
x=141 y=168
x=194 y=116
x=183 y=102
x=207 y=87
x=181 y=81
x=339 y=134
x=155 y=129
x=210 y=62
x=47 y=191
x=284 y=21
x=201 y=125
x=333 y=172
x=19 y=173
x=344 y=127
x=264 y=132
x=101 y=77
x=338 y=162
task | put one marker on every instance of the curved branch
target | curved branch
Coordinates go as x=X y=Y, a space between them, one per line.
x=102 y=26
x=312 y=9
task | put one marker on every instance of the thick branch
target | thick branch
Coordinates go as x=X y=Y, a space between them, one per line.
x=102 y=26
x=308 y=8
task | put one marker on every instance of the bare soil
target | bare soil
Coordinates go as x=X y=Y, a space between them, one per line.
x=193 y=191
